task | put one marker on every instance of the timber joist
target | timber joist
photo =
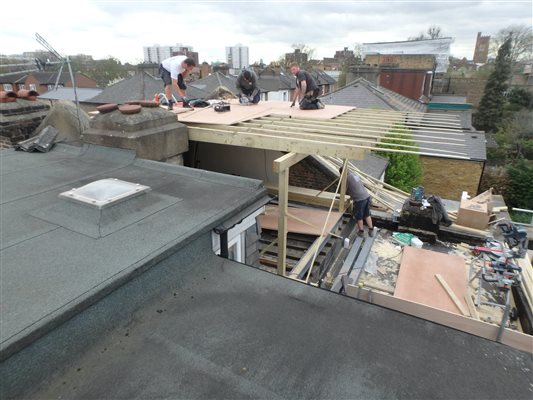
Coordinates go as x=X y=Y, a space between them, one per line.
x=348 y=135
x=344 y=130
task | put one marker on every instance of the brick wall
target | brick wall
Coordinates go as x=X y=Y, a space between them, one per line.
x=20 y=119
x=448 y=178
x=410 y=61
x=311 y=175
x=469 y=87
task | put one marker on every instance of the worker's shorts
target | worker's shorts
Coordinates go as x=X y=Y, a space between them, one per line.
x=361 y=208
x=167 y=79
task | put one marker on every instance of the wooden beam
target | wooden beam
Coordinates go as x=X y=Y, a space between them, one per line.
x=297 y=144
x=298 y=269
x=354 y=132
x=471 y=306
x=475 y=327
x=344 y=176
x=304 y=195
x=364 y=126
x=452 y=295
x=283 y=186
x=286 y=161
x=276 y=142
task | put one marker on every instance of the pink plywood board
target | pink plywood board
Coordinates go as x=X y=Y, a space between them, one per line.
x=239 y=113
x=269 y=220
x=417 y=282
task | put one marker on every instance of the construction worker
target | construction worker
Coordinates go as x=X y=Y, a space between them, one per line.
x=306 y=91
x=361 y=203
x=173 y=71
x=247 y=90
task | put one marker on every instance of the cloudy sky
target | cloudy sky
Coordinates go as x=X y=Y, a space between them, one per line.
x=120 y=28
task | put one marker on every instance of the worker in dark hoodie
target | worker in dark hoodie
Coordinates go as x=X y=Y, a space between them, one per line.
x=247 y=90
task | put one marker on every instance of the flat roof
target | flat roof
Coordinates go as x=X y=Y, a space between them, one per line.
x=215 y=329
x=60 y=256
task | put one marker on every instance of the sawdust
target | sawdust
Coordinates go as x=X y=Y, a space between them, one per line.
x=389 y=255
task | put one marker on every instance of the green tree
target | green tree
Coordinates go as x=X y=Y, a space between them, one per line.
x=520 y=175
x=404 y=170
x=491 y=105
x=521 y=98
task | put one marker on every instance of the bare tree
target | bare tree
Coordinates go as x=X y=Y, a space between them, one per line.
x=521 y=44
x=304 y=49
x=433 y=32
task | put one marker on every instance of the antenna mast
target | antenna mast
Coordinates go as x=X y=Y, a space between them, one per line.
x=63 y=60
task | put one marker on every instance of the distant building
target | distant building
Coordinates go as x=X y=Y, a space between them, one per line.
x=188 y=52
x=237 y=56
x=297 y=56
x=440 y=48
x=156 y=53
x=481 y=52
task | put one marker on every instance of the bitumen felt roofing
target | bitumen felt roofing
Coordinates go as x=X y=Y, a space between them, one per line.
x=58 y=256
x=201 y=327
x=195 y=325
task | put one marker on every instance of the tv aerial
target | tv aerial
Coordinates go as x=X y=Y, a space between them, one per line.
x=63 y=61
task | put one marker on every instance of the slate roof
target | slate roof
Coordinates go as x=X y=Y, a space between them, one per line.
x=364 y=94
x=213 y=81
x=141 y=86
x=14 y=77
x=272 y=81
x=67 y=93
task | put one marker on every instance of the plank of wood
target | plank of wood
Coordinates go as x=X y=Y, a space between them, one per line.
x=347 y=265
x=471 y=306
x=475 y=327
x=283 y=182
x=269 y=220
x=304 y=261
x=287 y=161
x=416 y=278
x=452 y=295
x=304 y=195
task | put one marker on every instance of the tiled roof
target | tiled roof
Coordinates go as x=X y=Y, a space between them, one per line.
x=363 y=94
x=213 y=81
x=67 y=93
x=14 y=77
x=141 y=86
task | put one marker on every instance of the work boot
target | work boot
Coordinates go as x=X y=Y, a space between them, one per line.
x=361 y=233
x=170 y=105
x=371 y=232
x=320 y=105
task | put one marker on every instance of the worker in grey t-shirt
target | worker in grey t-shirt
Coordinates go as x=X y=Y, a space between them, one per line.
x=361 y=203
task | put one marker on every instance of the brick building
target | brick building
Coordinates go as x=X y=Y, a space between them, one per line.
x=481 y=52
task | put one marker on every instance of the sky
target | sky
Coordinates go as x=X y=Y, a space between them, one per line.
x=120 y=28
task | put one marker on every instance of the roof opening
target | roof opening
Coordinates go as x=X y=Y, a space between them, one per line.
x=105 y=192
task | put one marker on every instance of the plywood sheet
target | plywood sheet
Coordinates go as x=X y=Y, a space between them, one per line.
x=416 y=279
x=240 y=113
x=269 y=220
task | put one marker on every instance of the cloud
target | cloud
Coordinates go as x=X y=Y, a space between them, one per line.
x=121 y=28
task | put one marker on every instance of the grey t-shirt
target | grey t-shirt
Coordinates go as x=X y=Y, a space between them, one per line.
x=355 y=188
x=306 y=76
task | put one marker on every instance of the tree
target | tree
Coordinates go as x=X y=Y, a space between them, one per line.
x=491 y=105
x=520 y=98
x=305 y=49
x=521 y=43
x=404 y=170
x=433 y=32
x=520 y=175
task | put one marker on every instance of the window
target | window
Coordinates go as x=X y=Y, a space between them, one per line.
x=32 y=86
x=8 y=87
x=237 y=238
x=22 y=87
